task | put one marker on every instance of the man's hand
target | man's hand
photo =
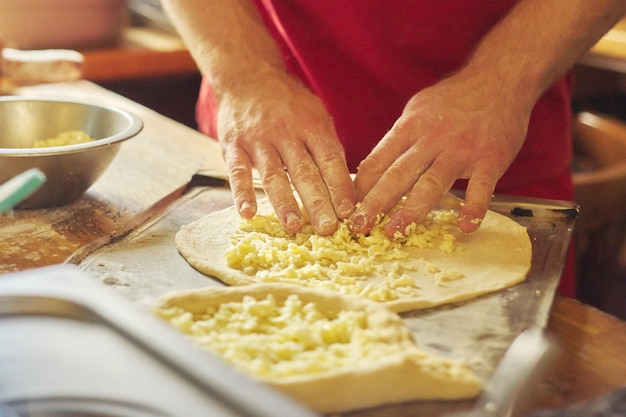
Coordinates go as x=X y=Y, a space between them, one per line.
x=274 y=123
x=472 y=124
x=452 y=130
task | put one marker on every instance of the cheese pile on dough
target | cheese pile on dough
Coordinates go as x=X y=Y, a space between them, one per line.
x=329 y=351
x=265 y=338
x=342 y=262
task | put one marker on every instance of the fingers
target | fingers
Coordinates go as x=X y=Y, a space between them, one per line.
x=315 y=198
x=384 y=195
x=275 y=181
x=423 y=197
x=323 y=184
x=327 y=195
x=315 y=166
x=285 y=131
x=425 y=189
x=240 y=173
x=384 y=177
x=477 y=197
x=277 y=186
x=320 y=175
x=333 y=168
x=378 y=162
x=430 y=188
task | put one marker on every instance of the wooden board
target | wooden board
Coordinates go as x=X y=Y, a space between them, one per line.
x=158 y=160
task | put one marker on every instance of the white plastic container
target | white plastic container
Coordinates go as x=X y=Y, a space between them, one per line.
x=68 y=24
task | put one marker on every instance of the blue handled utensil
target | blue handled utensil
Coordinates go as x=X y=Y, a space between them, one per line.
x=19 y=188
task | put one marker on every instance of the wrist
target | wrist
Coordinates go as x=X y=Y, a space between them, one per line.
x=516 y=82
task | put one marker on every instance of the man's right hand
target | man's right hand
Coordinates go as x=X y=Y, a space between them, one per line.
x=272 y=122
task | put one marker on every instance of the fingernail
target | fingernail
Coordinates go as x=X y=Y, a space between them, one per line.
x=292 y=219
x=395 y=224
x=345 y=208
x=246 y=206
x=325 y=220
x=468 y=223
x=357 y=222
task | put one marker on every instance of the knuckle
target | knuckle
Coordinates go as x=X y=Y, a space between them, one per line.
x=483 y=184
x=273 y=177
x=397 y=173
x=304 y=171
x=432 y=182
x=239 y=172
x=371 y=164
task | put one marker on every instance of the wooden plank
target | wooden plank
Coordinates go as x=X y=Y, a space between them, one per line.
x=145 y=52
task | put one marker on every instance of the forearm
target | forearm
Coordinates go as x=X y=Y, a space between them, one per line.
x=226 y=38
x=537 y=43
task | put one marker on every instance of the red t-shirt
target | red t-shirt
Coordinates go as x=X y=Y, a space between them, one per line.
x=365 y=59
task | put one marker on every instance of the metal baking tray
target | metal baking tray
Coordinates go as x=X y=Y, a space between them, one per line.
x=71 y=348
x=145 y=264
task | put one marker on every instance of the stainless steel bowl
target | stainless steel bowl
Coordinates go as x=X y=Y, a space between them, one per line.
x=70 y=169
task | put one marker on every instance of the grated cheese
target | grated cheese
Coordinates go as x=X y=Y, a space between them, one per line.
x=342 y=262
x=72 y=137
x=270 y=339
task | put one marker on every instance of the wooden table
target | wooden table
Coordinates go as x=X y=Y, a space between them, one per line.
x=165 y=155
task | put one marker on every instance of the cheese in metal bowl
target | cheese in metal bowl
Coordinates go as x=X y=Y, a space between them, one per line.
x=72 y=137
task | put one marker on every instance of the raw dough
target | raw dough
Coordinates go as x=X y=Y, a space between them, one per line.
x=444 y=266
x=394 y=371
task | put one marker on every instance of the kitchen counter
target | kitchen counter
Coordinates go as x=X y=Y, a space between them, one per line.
x=161 y=158
x=145 y=52
x=166 y=154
